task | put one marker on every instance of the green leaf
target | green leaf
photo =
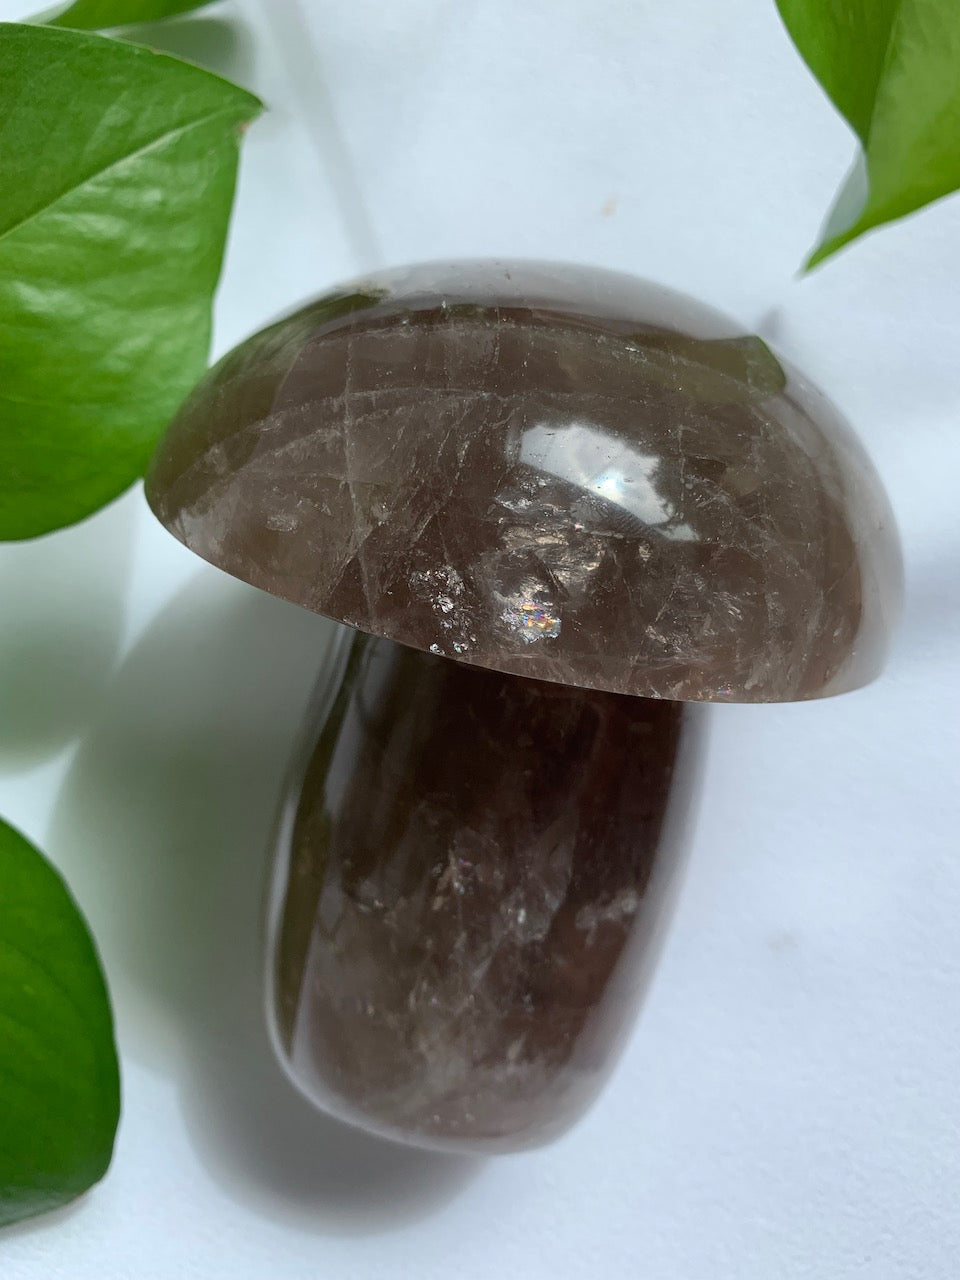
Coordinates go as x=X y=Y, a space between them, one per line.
x=96 y=15
x=892 y=68
x=117 y=175
x=59 y=1083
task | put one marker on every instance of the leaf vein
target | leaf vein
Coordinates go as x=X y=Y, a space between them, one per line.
x=155 y=143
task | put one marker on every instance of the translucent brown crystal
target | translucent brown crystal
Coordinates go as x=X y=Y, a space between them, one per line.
x=540 y=491
x=553 y=471
x=472 y=877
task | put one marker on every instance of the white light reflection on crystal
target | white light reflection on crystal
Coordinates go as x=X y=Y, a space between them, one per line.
x=608 y=468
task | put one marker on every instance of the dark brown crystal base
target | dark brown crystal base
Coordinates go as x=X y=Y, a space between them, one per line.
x=471 y=883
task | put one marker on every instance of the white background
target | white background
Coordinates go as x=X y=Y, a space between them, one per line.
x=790 y=1104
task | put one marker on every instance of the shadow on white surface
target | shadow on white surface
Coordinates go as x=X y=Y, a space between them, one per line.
x=53 y=675
x=164 y=824
x=53 y=1220
x=295 y=36
x=223 y=45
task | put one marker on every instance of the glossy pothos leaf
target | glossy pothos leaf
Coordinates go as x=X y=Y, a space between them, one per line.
x=98 y=15
x=117 y=174
x=59 y=1082
x=892 y=69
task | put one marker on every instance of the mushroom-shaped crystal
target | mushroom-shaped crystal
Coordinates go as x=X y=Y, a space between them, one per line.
x=558 y=504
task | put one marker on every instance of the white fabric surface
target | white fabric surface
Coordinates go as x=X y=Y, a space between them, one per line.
x=789 y=1105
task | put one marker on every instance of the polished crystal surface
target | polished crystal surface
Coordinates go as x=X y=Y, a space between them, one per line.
x=554 y=471
x=473 y=873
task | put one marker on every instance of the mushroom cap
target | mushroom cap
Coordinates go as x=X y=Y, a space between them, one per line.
x=559 y=472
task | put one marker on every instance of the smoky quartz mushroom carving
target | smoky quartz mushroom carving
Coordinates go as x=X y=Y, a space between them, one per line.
x=553 y=508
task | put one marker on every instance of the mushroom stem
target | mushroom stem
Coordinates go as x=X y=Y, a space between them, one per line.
x=473 y=871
